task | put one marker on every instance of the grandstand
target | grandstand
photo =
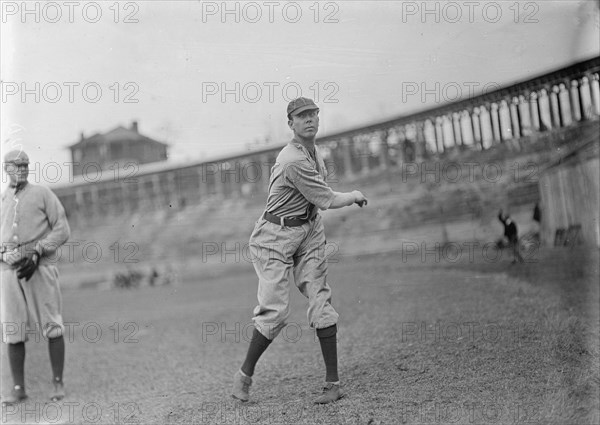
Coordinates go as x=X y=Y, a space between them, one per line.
x=438 y=175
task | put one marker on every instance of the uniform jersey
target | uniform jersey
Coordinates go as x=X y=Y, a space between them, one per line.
x=298 y=181
x=33 y=216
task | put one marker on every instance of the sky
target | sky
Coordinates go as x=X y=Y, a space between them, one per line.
x=210 y=81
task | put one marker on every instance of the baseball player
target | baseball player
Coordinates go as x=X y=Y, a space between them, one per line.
x=33 y=226
x=289 y=238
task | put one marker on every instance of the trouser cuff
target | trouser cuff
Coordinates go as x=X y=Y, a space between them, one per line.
x=327 y=332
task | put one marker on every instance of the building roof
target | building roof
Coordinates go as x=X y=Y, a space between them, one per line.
x=119 y=134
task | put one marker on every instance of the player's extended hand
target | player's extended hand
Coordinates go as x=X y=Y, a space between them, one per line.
x=11 y=257
x=27 y=266
x=360 y=199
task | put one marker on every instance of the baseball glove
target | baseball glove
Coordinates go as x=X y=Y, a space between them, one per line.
x=26 y=266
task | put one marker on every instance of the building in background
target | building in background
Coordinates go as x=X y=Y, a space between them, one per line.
x=115 y=148
x=534 y=120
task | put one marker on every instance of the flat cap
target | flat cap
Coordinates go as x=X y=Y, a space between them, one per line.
x=17 y=157
x=299 y=105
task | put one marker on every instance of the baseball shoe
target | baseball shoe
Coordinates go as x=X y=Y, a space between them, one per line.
x=17 y=395
x=241 y=386
x=331 y=393
x=58 y=393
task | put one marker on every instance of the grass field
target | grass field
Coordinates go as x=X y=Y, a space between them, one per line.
x=419 y=342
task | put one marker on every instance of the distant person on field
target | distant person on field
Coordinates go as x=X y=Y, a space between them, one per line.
x=512 y=234
x=537 y=214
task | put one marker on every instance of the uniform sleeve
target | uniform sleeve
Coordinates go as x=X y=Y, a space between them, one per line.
x=304 y=177
x=59 y=226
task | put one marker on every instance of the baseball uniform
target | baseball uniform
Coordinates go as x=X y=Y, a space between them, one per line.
x=32 y=218
x=33 y=226
x=289 y=238
x=297 y=188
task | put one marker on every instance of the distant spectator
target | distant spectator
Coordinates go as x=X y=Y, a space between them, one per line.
x=537 y=214
x=152 y=277
x=512 y=234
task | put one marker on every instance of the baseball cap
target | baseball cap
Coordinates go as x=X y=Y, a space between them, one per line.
x=17 y=157
x=299 y=105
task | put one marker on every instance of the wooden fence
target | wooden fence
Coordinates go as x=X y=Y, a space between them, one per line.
x=570 y=191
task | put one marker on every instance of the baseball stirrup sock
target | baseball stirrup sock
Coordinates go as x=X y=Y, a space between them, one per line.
x=258 y=345
x=16 y=357
x=328 y=341
x=56 y=348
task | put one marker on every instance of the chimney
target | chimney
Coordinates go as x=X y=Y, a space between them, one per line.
x=82 y=137
x=134 y=126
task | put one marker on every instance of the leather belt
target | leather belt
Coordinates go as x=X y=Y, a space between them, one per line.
x=285 y=222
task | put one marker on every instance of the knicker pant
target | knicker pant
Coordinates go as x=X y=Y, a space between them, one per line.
x=278 y=251
x=29 y=306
